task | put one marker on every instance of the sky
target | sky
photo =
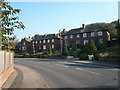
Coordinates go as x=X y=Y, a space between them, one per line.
x=50 y=17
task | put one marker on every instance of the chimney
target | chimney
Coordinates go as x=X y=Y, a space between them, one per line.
x=83 y=26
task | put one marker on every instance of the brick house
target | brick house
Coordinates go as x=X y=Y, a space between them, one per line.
x=25 y=45
x=83 y=36
x=41 y=43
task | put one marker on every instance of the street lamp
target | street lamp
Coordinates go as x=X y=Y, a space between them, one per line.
x=60 y=40
x=33 y=48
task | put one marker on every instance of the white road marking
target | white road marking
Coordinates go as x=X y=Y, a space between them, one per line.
x=66 y=66
x=88 y=71
x=62 y=65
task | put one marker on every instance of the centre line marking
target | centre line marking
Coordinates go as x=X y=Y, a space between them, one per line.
x=88 y=71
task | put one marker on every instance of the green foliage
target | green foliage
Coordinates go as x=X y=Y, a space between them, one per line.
x=64 y=49
x=83 y=57
x=50 y=51
x=9 y=21
x=92 y=48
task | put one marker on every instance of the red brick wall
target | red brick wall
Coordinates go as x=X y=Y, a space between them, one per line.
x=7 y=71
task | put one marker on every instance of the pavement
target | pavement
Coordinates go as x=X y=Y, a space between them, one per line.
x=101 y=63
x=26 y=77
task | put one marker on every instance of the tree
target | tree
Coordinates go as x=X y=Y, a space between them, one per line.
x=64 y=49
x=50 y=51
x=9 y=21
x=92 y=48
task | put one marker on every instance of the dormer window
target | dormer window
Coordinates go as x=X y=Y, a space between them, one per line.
x=84 y=34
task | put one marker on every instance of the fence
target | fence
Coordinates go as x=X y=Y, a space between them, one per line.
x=6 y=65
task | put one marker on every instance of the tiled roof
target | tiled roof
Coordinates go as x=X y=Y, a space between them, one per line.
x=86 y=29
x=48 y=36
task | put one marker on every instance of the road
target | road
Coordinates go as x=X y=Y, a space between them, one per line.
x=61 y=73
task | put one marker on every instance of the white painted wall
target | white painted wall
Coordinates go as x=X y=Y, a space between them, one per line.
x=1 y=61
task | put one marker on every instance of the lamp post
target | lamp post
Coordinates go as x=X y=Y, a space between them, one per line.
x=60 y=40
x=33 y=48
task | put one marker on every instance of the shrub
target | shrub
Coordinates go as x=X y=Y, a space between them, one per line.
x=83 y=57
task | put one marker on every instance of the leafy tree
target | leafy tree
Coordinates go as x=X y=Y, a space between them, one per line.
x=92 y=48
x=64 y=49
x=9 y=21
x=50 y=51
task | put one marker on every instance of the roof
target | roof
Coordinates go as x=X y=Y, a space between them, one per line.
x=48 y=36
x=74 y=31
x=28 y=39
x=86 y=29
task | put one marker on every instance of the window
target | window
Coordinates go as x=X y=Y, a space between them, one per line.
x=40 y=41
x=48 y=41
x=66 y=37
x=32 y=42
x=39 y=47
x=23 y=48
x=78 y=35
x=85 y=42
x=101 y=41
x=52 y=40
x=43 y=41
x=24 y=43
x=71 y=36
x=44 y=47
x=92 y=34
x=100 y=33
x=52 y=46
x=36 y=42
x=77 y=42
x=84 y=34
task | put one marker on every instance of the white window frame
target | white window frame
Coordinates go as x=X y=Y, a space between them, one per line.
x=85 y=42
x=43 y=41
x=71 y=36
x=40 y=41
x=78 y=35
x=24 y=43
x=99 y=33
x=84 y=34
x=53 y=46
x=36 y=42
x=53 y=40
x=48 y=41
x=92 y=34
x=44 y=47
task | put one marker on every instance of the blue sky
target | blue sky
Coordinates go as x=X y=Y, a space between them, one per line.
x=49 y=17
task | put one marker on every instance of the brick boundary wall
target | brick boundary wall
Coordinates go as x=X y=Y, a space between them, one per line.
x=7 y=66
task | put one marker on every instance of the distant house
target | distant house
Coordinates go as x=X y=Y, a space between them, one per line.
x=41 y=43
x=25 y=45
x=83 y=36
